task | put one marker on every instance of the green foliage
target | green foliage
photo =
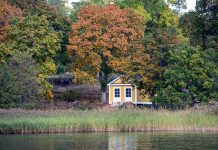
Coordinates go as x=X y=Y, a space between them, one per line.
x=59 y=3
x=18 y=80
x=189 y=78
x=76 y=7
x=178 y=75
x=161 y=35
x=200 y=26
x=70 y=95
x=178 y=4
x=137 y=5
x=42 y=44
x=57 y=17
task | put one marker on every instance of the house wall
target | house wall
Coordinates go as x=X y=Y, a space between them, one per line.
x=142 y=98
x=118 y=81
x=136 y=94
x=122 y=92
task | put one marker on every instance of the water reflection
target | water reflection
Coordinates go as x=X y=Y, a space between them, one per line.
x=112 y=141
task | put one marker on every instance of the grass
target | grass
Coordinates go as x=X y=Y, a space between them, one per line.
x=39 y=121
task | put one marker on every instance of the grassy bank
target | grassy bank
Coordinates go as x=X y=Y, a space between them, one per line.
x=38 y=121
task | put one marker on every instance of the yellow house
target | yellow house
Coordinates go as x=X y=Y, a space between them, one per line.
x=121 y=91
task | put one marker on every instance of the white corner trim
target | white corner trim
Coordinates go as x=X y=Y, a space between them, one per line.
x=120 y=84
x=109 y=101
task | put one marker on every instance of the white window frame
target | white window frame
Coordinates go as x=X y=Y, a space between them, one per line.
x=128 y=99
x=116 y=99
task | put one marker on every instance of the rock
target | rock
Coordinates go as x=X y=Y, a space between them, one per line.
x=129 y=105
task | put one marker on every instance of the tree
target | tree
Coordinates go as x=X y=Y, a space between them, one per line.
x=137 y=5
x=190 y=78
x=42 y=44
x=6 y=13
x=57 y=16
x=162 y=34
x=200 y=26
x=18 y=79
x=59 y=3
x=178 y=5
x=104 y=40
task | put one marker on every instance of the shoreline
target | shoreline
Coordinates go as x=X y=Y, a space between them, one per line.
x=208 y=130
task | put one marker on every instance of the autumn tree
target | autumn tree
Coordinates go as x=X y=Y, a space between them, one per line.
x=57 y=16
x=7 y=12
x=42 y=45
x=162 y=34
x=104 y=40
x=4 y=12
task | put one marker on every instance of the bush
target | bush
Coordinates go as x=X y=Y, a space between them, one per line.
x=70 y=96
x=18 y=80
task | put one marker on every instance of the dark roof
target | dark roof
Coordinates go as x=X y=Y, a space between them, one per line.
x=112 y=77
x=131 y=81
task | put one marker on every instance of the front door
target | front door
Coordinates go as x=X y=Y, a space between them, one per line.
x=117 y=95
x=128 y=94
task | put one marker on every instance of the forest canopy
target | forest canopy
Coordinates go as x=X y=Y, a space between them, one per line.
x=171 y=55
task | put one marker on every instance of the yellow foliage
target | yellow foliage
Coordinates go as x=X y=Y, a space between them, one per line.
x=48 y=68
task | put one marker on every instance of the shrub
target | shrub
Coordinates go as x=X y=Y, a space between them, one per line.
x=18 y=80
x=70 y=96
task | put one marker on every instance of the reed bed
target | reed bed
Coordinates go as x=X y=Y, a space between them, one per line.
x=55 y=121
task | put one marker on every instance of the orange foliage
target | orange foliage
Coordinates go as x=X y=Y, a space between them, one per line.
x=108 y=35
x=6 y=13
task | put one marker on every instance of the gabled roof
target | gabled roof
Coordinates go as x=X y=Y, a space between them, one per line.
x=114 y=78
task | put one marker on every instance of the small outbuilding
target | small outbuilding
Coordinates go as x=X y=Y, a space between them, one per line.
x=121 y=91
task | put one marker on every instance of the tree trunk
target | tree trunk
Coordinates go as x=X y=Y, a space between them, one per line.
x=103 y=81
x=103 y=97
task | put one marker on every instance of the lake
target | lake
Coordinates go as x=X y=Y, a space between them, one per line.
x=111 y=140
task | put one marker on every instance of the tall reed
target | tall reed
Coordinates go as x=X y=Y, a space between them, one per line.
x=38 y=121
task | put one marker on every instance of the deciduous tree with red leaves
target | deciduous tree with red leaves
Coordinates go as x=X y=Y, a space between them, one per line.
x=6 y=13
x=105 y=40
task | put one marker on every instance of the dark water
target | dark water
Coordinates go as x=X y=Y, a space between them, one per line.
x=120 y=141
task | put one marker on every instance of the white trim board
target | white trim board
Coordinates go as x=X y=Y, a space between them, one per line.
x=148 y=103
x=120 y=84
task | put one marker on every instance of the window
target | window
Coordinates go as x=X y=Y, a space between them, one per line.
x=116 y=92
x=128 y=92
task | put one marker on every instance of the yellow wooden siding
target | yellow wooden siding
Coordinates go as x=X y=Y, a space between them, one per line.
x=110 y=94
x=118 y=81
x=142 y=98
x=122 y=92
